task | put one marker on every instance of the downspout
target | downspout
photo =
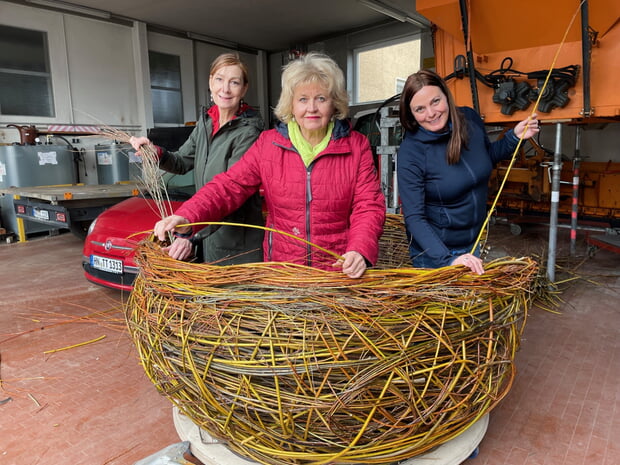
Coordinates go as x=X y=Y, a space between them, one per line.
x=586 y=52
x=470 y=56
x=555 y=200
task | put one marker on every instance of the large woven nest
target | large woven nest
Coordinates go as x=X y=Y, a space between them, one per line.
x=293 y=365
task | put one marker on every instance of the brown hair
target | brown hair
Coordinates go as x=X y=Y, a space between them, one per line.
x=414 y=83
x=230 y=59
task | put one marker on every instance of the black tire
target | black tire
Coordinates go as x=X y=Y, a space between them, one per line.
x=80 y=228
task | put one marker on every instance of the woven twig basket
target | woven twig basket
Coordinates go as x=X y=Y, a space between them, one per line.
x=293 y=365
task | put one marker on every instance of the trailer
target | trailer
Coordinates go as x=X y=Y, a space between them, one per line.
x=72 y=206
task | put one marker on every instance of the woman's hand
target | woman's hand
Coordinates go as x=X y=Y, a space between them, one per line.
x=470 y=261
x=181 y=249
x=137 y=142
x=527 y=128
x=353 y=264
x=168 y=224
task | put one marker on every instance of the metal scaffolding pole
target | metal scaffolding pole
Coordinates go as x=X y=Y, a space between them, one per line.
x=387 y=162
x=555 y=200
x=575 y=194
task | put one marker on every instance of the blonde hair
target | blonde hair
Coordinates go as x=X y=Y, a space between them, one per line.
x=230 y=59
x=318 y=68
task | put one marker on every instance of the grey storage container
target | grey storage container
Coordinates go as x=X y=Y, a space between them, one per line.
x=116 y=163
x=32 y=165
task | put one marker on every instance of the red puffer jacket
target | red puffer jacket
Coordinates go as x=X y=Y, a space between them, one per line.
x=335 y=203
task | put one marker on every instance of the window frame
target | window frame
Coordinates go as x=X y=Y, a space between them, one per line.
x=51 y=23
x=23 y=73
x=177 y=90
x=184 y=49
x=355 y=53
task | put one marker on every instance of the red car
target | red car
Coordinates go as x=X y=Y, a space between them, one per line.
x=108 y=254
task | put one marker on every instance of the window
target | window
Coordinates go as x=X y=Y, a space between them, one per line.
x=25 y=79
x=166 y=88
x=382 y=70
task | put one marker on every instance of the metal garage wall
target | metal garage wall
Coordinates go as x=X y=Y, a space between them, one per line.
x=102 y=74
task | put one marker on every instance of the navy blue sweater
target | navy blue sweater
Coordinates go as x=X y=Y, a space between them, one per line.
x=444 y=206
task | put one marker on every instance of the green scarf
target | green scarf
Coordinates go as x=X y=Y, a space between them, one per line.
x=306 y=151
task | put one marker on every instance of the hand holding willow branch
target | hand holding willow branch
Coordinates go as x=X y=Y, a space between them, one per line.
x=169 y=224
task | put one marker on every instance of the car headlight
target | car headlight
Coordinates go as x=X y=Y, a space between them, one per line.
x=91 y=227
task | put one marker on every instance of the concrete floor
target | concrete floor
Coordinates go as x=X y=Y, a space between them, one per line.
x=92 y=404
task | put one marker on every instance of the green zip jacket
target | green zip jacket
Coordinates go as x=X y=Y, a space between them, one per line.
x=208 y=156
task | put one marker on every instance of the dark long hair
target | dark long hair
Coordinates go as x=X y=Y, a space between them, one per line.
x=415 y=82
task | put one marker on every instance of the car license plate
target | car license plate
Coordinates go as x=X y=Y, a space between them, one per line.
x=41 y=214
x=106 y=264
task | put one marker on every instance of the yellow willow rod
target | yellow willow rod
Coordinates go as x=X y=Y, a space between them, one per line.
x=540 y=94
x=265 y=228
x=75 y=345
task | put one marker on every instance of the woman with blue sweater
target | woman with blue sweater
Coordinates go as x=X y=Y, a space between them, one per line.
x=443 y=170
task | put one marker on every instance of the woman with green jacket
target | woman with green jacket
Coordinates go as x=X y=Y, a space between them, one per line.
x=223 y=133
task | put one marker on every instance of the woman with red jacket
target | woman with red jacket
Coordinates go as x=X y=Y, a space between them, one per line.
x=317 y=175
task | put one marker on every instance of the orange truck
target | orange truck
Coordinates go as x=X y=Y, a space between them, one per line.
x=510 y=46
